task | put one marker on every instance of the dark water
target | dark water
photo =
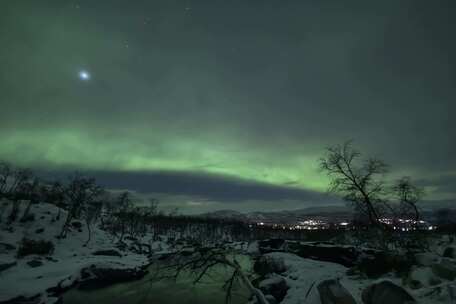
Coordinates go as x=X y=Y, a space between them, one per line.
x=166 y=291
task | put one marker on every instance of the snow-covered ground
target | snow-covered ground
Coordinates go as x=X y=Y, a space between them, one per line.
x=303 y=276
x=33 y=275
x=61 y=268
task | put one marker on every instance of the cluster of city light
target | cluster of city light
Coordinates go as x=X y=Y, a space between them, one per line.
x=314 y=224
x=430 y=227
x=407 y=224
x=311 y=225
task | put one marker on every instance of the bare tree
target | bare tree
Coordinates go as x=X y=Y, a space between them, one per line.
x=80 y=193
x=54 y=194
x=92 y=213
x=153 y=206
x=17 y=186
x=5 y=174
x=124 y=203
x=358 y=181
x=31 y=191
x=408 y=196
x=12 y=179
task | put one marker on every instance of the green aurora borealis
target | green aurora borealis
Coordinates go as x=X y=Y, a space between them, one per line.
x=247 y=92
x=76 y=149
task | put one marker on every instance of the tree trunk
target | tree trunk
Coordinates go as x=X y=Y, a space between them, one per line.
x=14 y=211
x=58 y=212
x=65 y=225
x=90 y=233
x=27 y=210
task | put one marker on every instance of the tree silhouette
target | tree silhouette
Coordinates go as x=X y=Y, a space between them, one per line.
x=358 y=181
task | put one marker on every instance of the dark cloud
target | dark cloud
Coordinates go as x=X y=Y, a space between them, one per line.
x=211 y=187
x=283 y=78
x=444 y=184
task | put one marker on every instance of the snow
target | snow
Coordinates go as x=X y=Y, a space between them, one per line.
x=68 y=258
x=63 y=268
x=303 y=276
x=252 y=248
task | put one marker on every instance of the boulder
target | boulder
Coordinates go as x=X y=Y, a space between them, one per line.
x=31 y=247
x=253 y=248
x=386 y=292
x=108 y=252
x=426 y=259
x=76 y=225
x=51 y=259
x=344 y=255
x=267 y=264
x=332 y=291
x=269 y=245
x=421 y=277
x=275 y=286
x=446 y=269
x=374 y=264
x=94 y=277
x=35 y=263
x=450 y=252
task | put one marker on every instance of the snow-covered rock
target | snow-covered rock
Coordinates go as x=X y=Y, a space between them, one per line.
x=303 y=275
x=332 y=291
x=344 y=255
x=450 y=252
x=446 y=269
x=253 y=248
x=426 y=258
x=386 y=292
x=276 y=286
x=422 y=277
x=269 y=245
x=267 y=264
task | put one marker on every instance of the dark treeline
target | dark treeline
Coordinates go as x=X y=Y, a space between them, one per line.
x=84 y=201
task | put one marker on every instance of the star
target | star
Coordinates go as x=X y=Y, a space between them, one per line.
x=84 y=75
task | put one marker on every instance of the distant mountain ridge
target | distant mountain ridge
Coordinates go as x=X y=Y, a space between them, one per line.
x=285 y=216
x=330 y=213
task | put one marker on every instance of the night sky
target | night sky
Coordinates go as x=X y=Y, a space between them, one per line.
x=228 y=104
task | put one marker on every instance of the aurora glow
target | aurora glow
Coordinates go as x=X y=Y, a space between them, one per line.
x=77 y=149
x=247 y=93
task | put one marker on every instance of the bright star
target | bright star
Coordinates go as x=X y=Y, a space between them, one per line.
x=84 y=75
